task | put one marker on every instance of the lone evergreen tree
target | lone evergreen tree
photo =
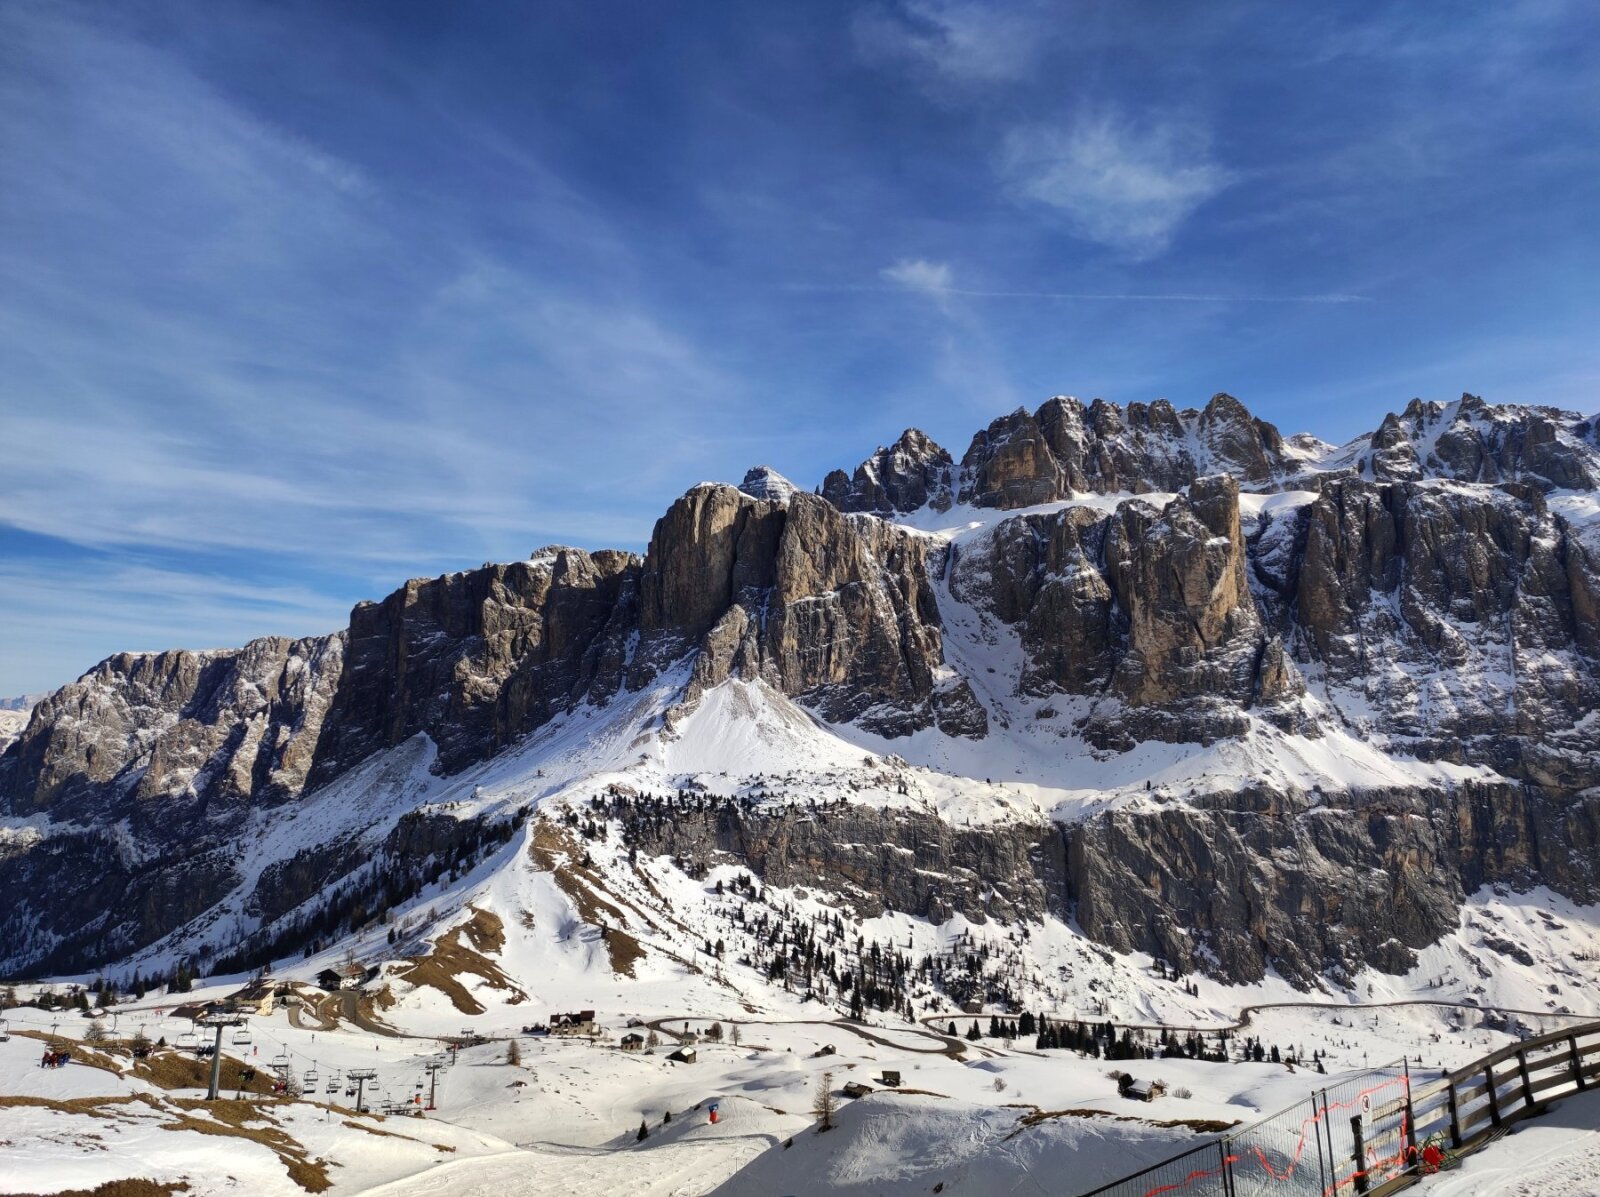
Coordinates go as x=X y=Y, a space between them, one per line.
x=644 y=1132
x=823 y=1104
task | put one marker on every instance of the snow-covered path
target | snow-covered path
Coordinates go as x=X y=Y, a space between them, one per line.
x=1557 y=1155
x=682 y=1169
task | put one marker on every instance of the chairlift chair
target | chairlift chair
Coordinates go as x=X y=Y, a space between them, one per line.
x=281 y=1060
x=187 y=1041
x=5 y=1030
x=241 y=1035
x=310 y=1079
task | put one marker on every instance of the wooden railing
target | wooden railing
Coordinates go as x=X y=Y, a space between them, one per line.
x=1364 y=1135
x=1472 y=1103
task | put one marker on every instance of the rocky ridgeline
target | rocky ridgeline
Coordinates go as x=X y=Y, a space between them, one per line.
x=1419 y=589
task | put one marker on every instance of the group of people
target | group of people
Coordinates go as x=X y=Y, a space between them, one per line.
x=53 y=1058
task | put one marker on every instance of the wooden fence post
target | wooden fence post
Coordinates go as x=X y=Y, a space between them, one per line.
x=1361 y=1155
x=1527 y=1085
x=1494 y=1098
x=1577 y=1062
x=1411 y=1122
x=1455 y=1114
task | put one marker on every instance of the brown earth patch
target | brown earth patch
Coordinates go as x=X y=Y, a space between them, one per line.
x=232 y=1116
x=132 y=1187
x=93 y=1106
x=1200 y=1126
x=556 y=853
x=450 y=958
x=383 y=1134
x=173 y=1070
x=485 y=930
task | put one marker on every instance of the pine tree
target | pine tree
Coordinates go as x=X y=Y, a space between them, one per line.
x=823 y=1103
x=644 y=1132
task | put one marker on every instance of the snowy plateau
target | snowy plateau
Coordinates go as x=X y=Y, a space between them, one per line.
x=849 y=841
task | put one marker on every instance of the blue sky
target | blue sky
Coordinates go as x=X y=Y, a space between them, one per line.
x=297 y=301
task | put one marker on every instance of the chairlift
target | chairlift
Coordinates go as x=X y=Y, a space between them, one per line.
x=350 y=1092
x=310 y=1079
x=241 y=1035
x=280 y=1062
x=187 y=1041
x=333 y=1084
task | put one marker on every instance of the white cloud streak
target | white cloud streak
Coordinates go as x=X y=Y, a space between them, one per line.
x=956 y=42
x=1125 y=186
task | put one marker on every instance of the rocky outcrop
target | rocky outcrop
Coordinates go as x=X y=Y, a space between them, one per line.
x=1473 y=441
x=833 y=610
x=1025 y=459
x=1462 y=621
x=877 y=860
x=911 y=473
x=476 y=660
x=1150 y=604
x=1315 y=885
x=183 y=737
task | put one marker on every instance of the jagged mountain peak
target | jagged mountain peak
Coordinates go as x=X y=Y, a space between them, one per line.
x=764 y=482
x=1471 y=440
x=913 y=472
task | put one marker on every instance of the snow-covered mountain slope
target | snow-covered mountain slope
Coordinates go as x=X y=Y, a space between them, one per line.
x=11 y=725
x=687 y=858
x=1281 y=721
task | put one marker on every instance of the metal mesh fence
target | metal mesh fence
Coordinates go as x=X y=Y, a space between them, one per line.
x=1347 y=1138
x=1365 y=1123
x=1198 y=1172
x=1279 y=1155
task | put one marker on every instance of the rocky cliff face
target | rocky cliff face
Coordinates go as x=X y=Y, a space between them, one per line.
x=1473 y=441
x=1066 y=448
x=1317 y=886
x=1149 y=604
x=1433 y=588
x=913 y=472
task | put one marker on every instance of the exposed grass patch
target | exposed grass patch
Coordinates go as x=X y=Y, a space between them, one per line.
x=556 y=853
x=132 y=1187
x=450 y=958
x=174 y=1070
x=1200 y=1126
x=231 y=1122
x=383 y=1134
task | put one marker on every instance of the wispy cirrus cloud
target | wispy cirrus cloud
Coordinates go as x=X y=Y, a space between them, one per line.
x=1124 y=185
x=955 y=41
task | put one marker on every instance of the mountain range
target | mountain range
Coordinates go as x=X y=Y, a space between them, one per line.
x=1243 y=703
